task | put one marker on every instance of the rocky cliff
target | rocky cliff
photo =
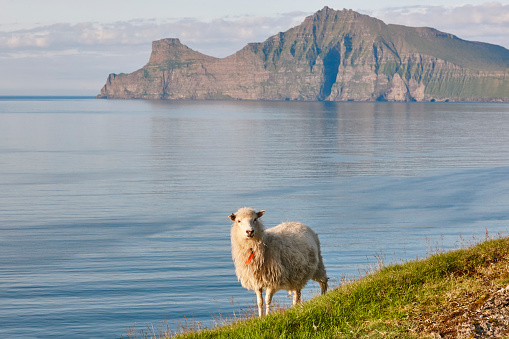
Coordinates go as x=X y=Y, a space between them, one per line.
x=332 y=55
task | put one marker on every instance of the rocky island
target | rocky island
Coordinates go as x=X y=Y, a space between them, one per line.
x=332 y=56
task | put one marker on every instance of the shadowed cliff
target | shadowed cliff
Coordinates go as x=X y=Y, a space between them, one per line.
x=333 y=56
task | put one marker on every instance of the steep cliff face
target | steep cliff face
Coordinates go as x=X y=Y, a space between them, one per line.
x=332 y=55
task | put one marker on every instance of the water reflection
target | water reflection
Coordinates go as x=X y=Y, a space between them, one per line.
x=331 y=139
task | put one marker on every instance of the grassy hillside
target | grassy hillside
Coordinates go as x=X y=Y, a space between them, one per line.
x=466 y=54
x=417 y=299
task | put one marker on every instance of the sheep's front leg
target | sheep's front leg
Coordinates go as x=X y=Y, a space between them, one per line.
x=259 y=300
x=268 y=299
x=296 y=297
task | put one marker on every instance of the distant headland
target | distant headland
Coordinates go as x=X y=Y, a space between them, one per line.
x=332 y=56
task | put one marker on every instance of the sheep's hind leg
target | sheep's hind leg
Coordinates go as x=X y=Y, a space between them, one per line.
x=296 y=297
x=259 y=301
x=323 y=286
x=269 y=293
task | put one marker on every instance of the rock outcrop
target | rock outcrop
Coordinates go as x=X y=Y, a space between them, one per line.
x=332 y=56
x=491 y=320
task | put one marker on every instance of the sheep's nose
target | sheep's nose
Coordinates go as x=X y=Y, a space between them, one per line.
x=250 y=234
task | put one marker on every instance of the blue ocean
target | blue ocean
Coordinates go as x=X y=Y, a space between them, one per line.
x=114 y=214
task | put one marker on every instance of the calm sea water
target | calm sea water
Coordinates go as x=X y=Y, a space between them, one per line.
x=114 y=214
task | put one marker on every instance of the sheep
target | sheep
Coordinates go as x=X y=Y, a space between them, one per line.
x=284 y=257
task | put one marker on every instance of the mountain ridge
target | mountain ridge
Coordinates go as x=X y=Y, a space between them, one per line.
x=331 y=56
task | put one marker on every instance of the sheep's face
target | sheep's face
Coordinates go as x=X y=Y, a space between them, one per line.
x=246 y=219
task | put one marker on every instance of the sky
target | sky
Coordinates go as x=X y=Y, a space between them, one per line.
x=68 y=47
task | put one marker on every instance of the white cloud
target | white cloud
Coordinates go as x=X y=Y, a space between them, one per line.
x=488 y=22
x=219 y=36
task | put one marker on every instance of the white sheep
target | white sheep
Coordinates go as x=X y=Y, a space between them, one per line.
x=283 y=257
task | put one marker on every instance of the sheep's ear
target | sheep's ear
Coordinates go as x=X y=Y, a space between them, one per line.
x=259 y=214
x=232 y=217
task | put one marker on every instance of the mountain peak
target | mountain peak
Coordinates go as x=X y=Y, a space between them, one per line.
x=328 y=10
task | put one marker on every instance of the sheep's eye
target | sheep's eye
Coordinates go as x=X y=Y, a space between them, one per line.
x=238 y=221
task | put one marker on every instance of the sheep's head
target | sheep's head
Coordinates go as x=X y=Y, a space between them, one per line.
x=246 y=219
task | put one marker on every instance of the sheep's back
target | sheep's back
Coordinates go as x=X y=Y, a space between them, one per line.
x=298 y=248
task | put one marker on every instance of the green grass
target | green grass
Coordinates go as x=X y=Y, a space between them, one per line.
x=409 y=300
